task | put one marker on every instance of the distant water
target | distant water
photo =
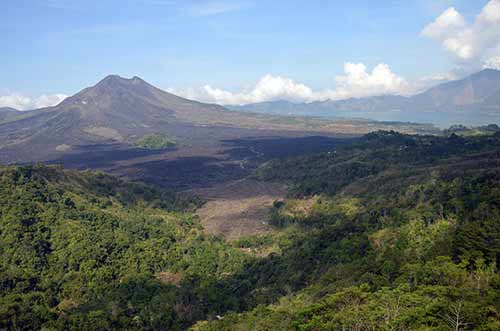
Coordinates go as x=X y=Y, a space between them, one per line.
x=439 y=119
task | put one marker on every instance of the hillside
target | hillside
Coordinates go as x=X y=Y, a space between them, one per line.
x=386 y=232
x=393 y=232
x=473 y=100
x=85 y=251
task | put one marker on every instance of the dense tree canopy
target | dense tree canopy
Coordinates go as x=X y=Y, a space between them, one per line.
x=85 y=251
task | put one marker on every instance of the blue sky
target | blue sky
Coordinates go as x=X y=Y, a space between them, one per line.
x=61 y=46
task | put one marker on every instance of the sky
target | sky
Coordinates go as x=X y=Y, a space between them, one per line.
x=243 y=51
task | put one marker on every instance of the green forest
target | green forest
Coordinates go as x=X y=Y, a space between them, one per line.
x=388 y=232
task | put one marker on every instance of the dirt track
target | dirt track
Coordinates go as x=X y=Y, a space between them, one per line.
x=238 y=208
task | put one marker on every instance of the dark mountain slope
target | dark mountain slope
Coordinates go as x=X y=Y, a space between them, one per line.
x=129 y=103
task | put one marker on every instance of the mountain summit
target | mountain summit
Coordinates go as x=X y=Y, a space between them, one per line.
x=133 y=99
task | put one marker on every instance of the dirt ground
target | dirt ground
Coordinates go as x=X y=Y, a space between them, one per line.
x=239 y=208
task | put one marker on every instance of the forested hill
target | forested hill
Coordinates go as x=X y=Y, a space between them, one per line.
x=392 y=232
x=380 y=156
x=85 y=251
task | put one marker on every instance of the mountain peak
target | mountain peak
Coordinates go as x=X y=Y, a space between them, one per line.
x=137 y=78
x=110 y=91
x=116 y=79
x=112 y=84
x=112 y=77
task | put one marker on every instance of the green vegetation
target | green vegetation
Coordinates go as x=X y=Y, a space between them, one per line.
x=256 y=241
x=85 y=251
x=391 y=232
x=155 y=141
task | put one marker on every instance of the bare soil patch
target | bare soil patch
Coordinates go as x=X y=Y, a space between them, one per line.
x=239 y=208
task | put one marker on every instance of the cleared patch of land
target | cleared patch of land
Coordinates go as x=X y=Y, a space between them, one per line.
x=214 y=163
x=239 y=208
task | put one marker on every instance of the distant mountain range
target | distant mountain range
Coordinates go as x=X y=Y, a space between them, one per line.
x=474 y=100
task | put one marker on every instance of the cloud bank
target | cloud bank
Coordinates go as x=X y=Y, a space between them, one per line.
x=476 y=43
x=355 y=82
x=21 y=102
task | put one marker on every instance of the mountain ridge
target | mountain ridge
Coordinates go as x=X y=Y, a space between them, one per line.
x=478 y=95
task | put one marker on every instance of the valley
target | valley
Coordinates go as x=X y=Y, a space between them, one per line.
x=236 y=205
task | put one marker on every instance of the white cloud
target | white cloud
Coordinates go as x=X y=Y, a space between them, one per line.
x=490 y=12
x=49 y=100
x=471 y=43
x=267 y=88
x=21 y=102
x=355 y=82
x=492 y=63
x=448 y=22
